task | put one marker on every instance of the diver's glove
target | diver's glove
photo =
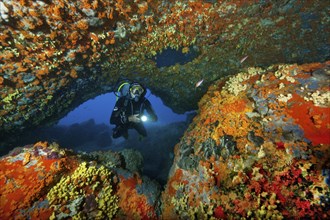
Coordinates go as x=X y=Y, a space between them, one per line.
x=134 y=118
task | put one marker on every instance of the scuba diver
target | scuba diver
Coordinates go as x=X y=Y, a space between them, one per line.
x=129 y=110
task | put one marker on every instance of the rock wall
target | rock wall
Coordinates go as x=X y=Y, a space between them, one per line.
x=56 y=54
x=259 y=148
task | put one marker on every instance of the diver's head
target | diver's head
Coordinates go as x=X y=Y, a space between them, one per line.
x=136 y=91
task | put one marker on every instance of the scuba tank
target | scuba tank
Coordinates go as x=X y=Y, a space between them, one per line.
x=122 y=88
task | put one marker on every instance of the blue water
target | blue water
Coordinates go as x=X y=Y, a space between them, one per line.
x=100 y=109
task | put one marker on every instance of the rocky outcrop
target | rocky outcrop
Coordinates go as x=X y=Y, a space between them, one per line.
x=44 y=181
x=259 y=148
x=56 y=54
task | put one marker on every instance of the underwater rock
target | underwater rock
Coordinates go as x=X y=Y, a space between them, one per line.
x=108 y=158
x=186 y=150
x=274 y=151
x=209 y=148
x=188 y=163
x=187 y=159
x=258 y=141
x=133 y=160
x=157 y=148
x=26 y=175
x=44 y=181
x=227 y=145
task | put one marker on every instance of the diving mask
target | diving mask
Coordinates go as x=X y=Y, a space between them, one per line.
x=136 y=91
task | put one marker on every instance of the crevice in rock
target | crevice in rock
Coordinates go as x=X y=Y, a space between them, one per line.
x=170 y=57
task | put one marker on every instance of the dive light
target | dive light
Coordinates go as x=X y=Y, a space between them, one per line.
x=144 y=118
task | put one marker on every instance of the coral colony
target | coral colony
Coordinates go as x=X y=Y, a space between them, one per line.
x=258 y=148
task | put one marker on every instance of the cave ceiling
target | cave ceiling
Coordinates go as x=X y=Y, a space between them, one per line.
x=54 y=55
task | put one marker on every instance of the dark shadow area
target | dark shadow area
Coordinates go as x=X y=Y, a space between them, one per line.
x=157 y=149
x=169 y=56
x=86 y=136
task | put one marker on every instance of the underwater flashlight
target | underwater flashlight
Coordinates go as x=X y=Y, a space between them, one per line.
x=144 y=118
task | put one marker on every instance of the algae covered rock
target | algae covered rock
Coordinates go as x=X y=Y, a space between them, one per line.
x=44 y=181
x=72 y=191
x=260 y=145
x=27 y=173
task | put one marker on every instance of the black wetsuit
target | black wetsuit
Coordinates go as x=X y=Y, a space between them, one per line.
x=123 y=109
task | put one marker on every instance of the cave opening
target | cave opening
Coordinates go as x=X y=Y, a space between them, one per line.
x=86 y=129
x=90 y=121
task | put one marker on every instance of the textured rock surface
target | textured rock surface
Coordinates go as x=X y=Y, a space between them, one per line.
x=42 y=181
x=56 y=54
x=26 y=175
x=259 y=148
